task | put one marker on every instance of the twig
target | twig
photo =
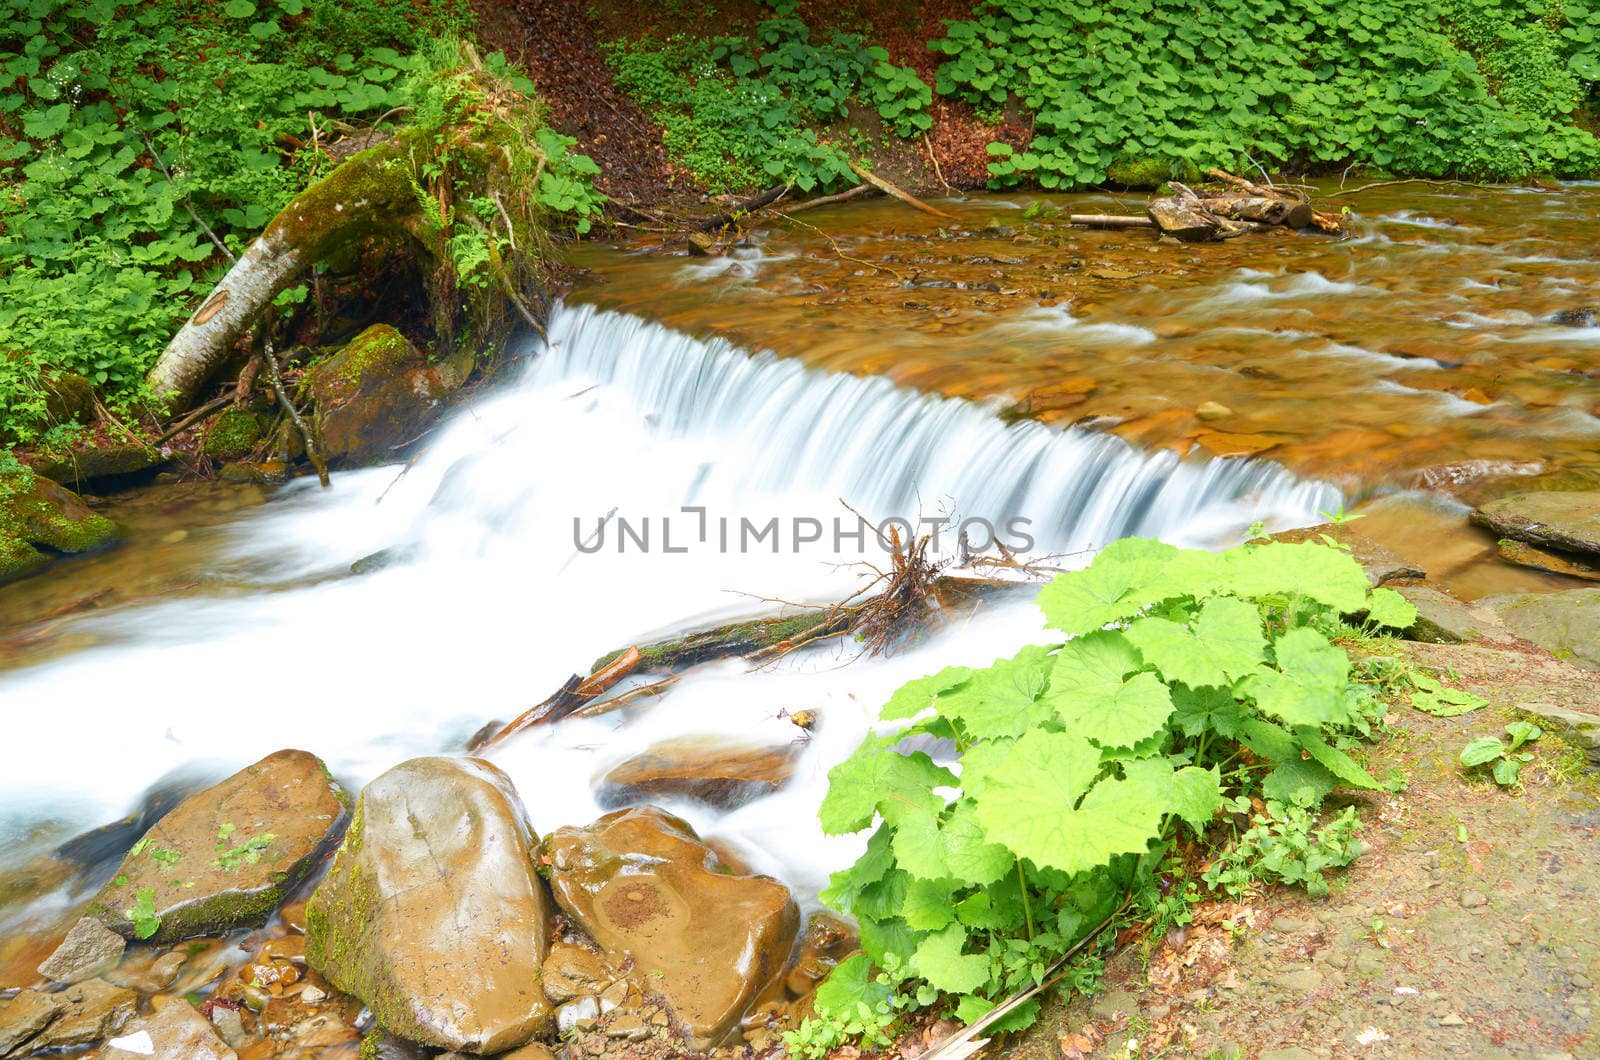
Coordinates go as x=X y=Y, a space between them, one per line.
x=1109 y=220
x=151 y=147
x=1414 y=180
x=828 y=200
x=270 y=359
x=570 y=696
x=203 y=412
x=900 y=193
x=935 y=160
x=952 y=1046
x=839 y=253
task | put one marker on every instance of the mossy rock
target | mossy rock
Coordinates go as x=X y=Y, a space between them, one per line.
x=235 y=433
x=1143 y=172
x=225 y=857
x=370 y=400
x=38 y=517
x=97 y=462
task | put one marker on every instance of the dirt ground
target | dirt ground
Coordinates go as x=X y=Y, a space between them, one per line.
x=1469 y=928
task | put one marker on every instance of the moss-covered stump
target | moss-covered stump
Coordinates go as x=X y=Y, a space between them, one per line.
x=643 y=886
x=227 y=856
x=372 y=398
x=432 y=914
x=38 y=517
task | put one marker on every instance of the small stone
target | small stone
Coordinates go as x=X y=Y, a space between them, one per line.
x=1298 y=980
x=1473 y=900
x=629 y=1027
x=572 y=971
x=1452 y=1020
x=229 y=1024
x=93 y=1011
x=311 y=995
x=90 y=949
x=614 y=996
x=25 y=1016
x=1107 y=1005
x=1212 y=410
x=1582 y=982
x=580 y=1015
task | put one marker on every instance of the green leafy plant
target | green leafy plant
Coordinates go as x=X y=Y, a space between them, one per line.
x=1185 y=685
x=247 y=853
x=146 y=921
x=1502 y=756
x=740 y=113
x=1478 y=88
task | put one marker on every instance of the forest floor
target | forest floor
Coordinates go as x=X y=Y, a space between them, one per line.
x=1467 y=928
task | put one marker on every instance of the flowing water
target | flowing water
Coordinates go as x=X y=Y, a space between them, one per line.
x=607 y=491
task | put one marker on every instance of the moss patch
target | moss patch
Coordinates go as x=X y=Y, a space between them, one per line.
x=38 y=515
x=235 y=433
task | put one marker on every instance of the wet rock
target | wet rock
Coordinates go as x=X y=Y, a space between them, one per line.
x=1220 y=443
x=373 y=397
x=24 y=1016
x=1568 y=521
x=99 y=462
x=1566 y=624
x=1212 y=410
x=1583 y=317
x=718 y=772
x=1382 y=565
x=431 y=912
x=580 y=1014
x=176 y=1032
x=643 y=886
x=39 y=517
x=827 y=941
x=91 y=1011
x=225 y=857
x=89 y=950
x=1443 y=619
x=1525 y=555
x=572 y=971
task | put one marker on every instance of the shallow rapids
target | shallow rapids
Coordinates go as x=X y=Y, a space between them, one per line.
x=507 y=571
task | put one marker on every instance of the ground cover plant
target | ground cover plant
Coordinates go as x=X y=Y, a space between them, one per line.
x=1136 y=91
x=743 y=112
x=1197 y=708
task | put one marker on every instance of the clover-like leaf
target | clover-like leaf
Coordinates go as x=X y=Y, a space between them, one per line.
x=1308 y=687
x=939 y=960
x=1109 y=589
x=877 y=780
x=1002 y=700
x=1224 y=643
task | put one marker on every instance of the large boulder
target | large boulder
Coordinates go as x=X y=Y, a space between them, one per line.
x=1565 y=520
x=79 y=1016
x=716 y=771
x=432 y=913
x=1531 y=556
x=1442 y=618
x=643 y=886
x=109 y=460
x=1565 y=624
x=373 y=397
x=39 y=517
x=227 y=856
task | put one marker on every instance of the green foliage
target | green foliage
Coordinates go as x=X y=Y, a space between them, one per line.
x=1478 y=88
x=1189 y=683
x=129 y=127
x=740 y=113
x=146 y=921
x=1502 y=756
x=246 y=853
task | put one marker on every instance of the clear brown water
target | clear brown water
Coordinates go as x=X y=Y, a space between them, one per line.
x=1377 y=362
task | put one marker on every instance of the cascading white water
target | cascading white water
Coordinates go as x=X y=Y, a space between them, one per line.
x=491 y=603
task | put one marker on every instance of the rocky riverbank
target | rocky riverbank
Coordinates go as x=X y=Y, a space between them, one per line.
x=440 y=925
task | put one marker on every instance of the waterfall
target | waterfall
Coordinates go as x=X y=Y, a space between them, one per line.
x=491 y=600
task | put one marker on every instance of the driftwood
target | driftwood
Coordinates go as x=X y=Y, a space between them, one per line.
x=1248 y=207
x=575 y=693
x=900 y=193
x=740 y=209
x=1109 y=220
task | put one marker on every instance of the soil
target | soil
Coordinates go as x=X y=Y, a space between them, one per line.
x=561 y=44
x=1467 y=928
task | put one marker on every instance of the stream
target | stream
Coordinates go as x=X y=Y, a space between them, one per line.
x=1001 y=371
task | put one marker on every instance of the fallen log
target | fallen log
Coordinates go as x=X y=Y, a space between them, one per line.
x=1183 y=215
x=740 y=209
x=370 y=193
